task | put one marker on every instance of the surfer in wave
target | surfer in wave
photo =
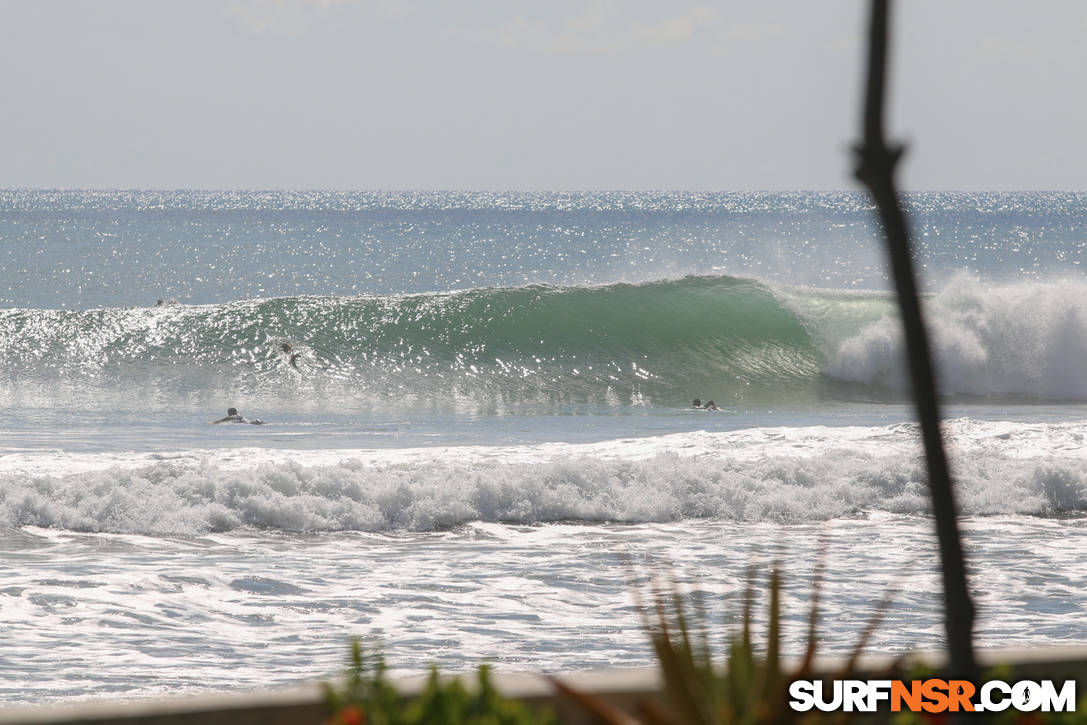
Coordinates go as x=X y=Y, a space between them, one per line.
x=293 y=355
x=232 y=416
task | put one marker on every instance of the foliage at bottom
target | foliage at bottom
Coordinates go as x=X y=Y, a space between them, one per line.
x=367 y=698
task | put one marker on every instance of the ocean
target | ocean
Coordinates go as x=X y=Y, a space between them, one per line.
x=480 y=442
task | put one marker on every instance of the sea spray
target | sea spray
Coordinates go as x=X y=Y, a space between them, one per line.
x=1025 y=340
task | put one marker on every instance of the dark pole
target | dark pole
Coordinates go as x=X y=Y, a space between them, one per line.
x=875 y=169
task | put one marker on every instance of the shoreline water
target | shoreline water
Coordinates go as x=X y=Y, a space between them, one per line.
x=167 y=613
x=624 y=689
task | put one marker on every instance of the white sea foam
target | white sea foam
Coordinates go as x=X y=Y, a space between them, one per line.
x=1020 y=340
x=764 y=474
x=94 y=615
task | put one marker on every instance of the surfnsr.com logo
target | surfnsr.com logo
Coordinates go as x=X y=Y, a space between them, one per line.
x=932 y=696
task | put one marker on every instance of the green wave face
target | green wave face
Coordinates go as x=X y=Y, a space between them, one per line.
x=661 y=343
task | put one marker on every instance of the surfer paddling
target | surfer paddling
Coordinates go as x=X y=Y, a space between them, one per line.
x=232 y=416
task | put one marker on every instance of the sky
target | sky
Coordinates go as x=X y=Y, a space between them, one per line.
x=545 y=95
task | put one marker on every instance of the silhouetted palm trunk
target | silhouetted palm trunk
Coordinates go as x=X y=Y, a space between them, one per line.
x=875 y=169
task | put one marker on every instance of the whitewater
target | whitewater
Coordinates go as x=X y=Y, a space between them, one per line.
x=486 y=434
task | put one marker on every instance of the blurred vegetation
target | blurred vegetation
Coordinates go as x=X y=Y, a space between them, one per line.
x=748 y=685
x=367 y=698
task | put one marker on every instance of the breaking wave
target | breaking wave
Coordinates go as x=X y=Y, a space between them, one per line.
x=786 y=475
x=732 y=339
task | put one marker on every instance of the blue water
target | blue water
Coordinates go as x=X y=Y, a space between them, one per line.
x=76 y=249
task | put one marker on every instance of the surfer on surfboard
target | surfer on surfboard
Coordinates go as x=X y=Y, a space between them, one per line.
x=292 y=355
x=232 y=416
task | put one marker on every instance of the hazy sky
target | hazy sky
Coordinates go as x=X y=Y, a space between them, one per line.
x=550 y=94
